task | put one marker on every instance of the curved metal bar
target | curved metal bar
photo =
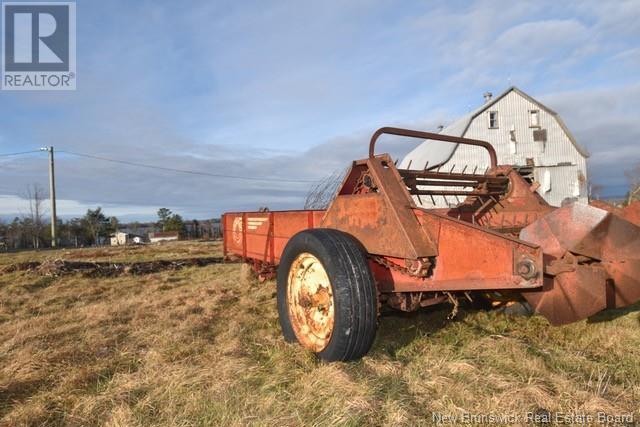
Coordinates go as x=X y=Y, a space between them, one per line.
x=428 y=135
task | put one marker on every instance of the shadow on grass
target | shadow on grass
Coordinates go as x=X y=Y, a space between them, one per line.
x=614 y=313
x=18 y=391
x=398 y=329
x=41 y=283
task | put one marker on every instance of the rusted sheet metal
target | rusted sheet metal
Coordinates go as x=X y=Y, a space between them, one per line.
x=470 y=252
x=632 y=212
x=499 y=199
x=606 y=206
x=516 y=207
x=585 y=230
x=381 y=216
x=469 y=258
x=626 y=281
x=569 y=262
x=262 y=236
x=519 y=207
x=606 y=270
x=571 y=296
x=395 y=281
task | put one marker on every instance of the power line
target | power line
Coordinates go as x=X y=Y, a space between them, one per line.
x=20 y=153
x=191 y=172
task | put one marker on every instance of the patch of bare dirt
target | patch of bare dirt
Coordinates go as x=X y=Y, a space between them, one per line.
x=60 y=267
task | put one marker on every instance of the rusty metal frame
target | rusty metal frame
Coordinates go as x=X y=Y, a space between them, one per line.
x=429 y=135
x=568 y=263
x=385 y=211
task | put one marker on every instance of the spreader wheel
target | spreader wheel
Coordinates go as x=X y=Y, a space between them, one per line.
x=326 y=295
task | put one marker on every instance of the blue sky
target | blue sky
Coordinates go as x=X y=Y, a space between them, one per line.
x=293 y=89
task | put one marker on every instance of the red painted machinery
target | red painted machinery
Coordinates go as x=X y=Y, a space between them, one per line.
x=373 y=245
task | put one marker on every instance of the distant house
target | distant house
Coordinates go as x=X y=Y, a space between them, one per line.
x=121 y=238
x=525 y=133
x=163 y=236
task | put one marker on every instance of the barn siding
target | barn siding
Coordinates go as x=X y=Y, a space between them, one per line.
x=513 y=113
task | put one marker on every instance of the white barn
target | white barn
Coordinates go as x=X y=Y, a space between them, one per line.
x=524 y=133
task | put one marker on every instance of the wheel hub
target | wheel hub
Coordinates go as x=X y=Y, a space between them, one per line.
x=310 y=300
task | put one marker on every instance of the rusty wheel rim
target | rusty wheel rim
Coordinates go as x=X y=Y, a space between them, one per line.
x=310 y=300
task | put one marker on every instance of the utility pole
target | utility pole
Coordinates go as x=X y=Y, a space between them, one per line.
x=52 y=195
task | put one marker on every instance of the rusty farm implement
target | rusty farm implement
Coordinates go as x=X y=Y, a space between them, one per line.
x=373 y=245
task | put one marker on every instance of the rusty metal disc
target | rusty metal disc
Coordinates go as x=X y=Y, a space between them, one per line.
x=564 y=229
x=632 y=212
x=626 y=280
x=565 y=298
x=310 y=300
x=609 y=275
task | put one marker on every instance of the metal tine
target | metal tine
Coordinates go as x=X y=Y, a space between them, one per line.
x=452 y=168
x=464 y=169
x=409 y=164
x=474 y=170
x=438 y=170
x=419 y=199
x=432 y=199
x=426 y=165
x=486 y=170
x=396 y=163
x=457 y=199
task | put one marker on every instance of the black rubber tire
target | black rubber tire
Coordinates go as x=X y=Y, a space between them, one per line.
x=353 y=287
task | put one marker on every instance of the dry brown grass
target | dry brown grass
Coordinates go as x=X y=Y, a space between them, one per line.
x=200 y=346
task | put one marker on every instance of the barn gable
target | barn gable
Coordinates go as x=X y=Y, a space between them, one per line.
x=525 y=133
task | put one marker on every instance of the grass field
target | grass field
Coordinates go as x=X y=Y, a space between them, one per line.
x=202 y=346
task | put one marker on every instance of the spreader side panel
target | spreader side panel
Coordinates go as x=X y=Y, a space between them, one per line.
x=262 y=236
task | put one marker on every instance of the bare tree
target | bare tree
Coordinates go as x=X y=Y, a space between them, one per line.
x=36 y=196
x=595 y=190
x=321 y=194
x=633 y=176
x=3 y=236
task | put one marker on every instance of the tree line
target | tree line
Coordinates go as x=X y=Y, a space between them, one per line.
x=33 y=231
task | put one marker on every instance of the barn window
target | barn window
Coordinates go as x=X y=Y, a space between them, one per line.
x=493 y=120
x=534 y=118
x=540 y=136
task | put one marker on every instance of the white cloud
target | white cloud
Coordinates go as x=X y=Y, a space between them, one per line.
x=294 y=90
x=605 y=121
x=17 y=206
